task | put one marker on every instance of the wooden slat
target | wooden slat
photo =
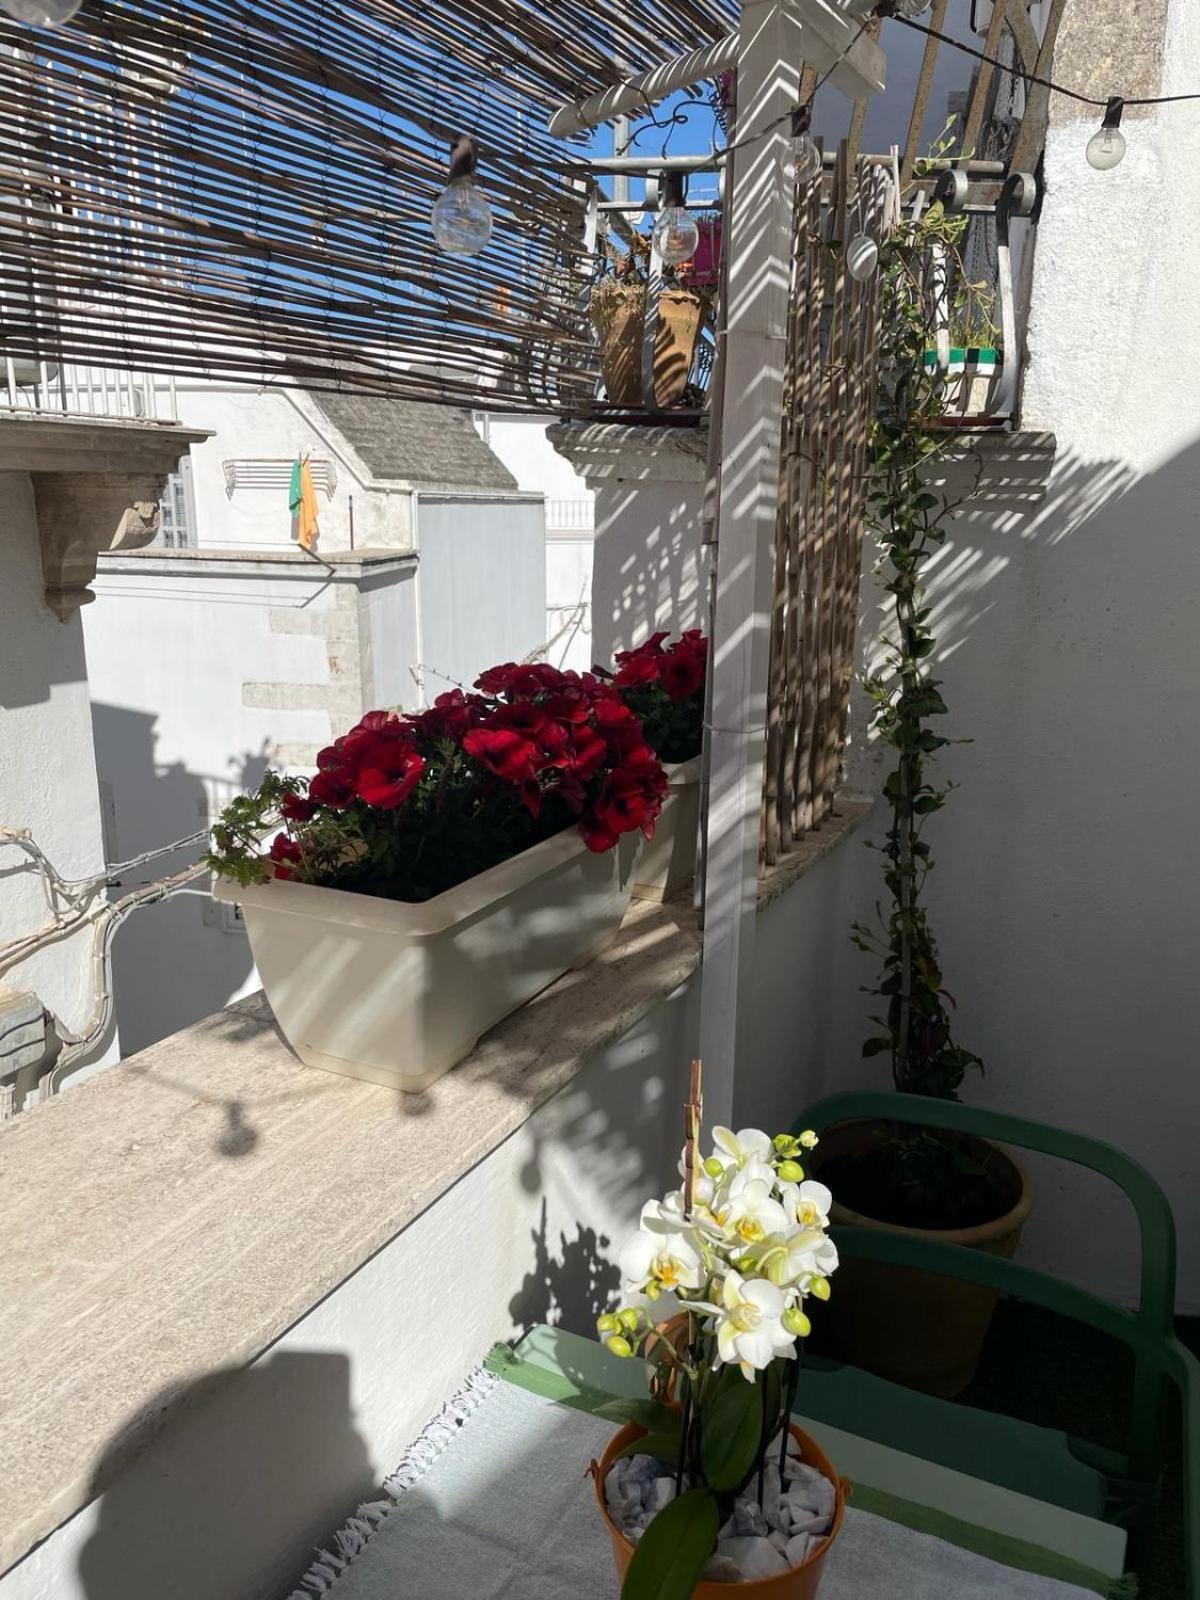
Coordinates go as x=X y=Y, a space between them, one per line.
x=983 y=78
x=912 y=145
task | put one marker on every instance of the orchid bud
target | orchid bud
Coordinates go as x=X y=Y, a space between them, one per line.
x=746 y=1263
x=653 y=1289
x=820 y=1288
x=808 y=1140
x=777 y=1269
x=790 y=1172
x=796 y=1322
x=630 y=1319
x=714 y=1168
x=617 y=1346
x=784 y=1144
x=607 y=1324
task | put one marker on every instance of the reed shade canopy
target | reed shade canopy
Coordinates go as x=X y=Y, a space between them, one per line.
x=243 y=191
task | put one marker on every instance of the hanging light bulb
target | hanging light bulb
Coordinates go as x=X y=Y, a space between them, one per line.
x=862 y=257
x=911 y=8
x=676 y=235
x=806 y=160
x=462 y=217
x=1106 y=147
x=41 y=13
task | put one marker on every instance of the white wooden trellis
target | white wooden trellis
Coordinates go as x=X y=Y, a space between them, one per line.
x=775 y=42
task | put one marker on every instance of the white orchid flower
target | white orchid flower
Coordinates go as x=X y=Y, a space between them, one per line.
x=751 y=1144
x=703 y=1187
x=749 y=1329
x=661 y=1253
x=751 y=1213
x=794 y=1258
x=808 y=1204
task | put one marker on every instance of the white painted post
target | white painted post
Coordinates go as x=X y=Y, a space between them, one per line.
x=770 y=61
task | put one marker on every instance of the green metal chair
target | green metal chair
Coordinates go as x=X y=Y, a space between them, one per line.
x=1044 y=1463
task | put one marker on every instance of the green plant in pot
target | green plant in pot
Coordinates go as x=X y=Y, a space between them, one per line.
x=965 y=1191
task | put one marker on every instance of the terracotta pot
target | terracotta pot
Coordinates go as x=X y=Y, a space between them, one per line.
x=799 y=1583
x=918 y=1328
x=680 y=316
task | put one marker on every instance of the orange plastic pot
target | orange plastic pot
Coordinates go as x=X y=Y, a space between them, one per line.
x=798 y=1583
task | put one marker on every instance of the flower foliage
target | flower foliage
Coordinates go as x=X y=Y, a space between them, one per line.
x=714 y=1296
x=407 y=805
x=663 y=685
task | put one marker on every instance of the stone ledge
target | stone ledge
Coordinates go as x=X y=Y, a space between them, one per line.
x=348 y=566
x=176 y=1214
x=812 y=848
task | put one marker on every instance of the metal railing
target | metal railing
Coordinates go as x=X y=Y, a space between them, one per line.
x=570 y=516
x=51 y=388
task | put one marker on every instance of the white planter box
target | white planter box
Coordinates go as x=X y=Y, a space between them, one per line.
x=669 y=859
x=398 y=993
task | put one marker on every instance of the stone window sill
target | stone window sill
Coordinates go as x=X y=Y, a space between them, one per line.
x=174 y=1215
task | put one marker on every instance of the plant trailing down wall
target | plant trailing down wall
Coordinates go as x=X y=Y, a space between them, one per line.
x=924 y=1174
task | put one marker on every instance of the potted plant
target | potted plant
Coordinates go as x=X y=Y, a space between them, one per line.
x=924 y=1181
x=663 y=685
x=704 y=1491
x=441 y=868
x=617 y=308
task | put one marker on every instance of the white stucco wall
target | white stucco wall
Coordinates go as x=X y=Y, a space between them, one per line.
x=234 y=1495
x=198 y=681
x=47 y=765
x=523 y=446
x=279 y=425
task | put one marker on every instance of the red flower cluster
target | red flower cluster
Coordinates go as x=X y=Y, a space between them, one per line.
x=530 y=729
x=377 y=762
x=679 y=668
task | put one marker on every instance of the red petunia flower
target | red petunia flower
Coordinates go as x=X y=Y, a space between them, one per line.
x=330 y=788
x=281 y=852
x=682 y=675
x=504 y=752
x=297 y=809
x=388 y=774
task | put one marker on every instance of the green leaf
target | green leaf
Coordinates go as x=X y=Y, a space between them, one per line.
x=670 y=1555
x=876 y=1047
x=648 y=1414
x=662 y=1446
x=730 y=1434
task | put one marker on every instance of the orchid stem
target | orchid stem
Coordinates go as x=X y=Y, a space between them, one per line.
x=789 y=1407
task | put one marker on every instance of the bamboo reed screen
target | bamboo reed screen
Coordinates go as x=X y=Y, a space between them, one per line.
x=829 y=399
x=243 y=191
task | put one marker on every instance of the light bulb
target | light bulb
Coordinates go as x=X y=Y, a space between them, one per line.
x=462 y=218
x=41 y=13
x=912 y=8
x=1106 y=149
x=675 y=235
x=862 y=257
x=806 y=159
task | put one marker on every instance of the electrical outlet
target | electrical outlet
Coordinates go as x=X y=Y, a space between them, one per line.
x=22 y=1031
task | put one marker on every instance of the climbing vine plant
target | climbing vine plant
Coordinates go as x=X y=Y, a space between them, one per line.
x=909 y=521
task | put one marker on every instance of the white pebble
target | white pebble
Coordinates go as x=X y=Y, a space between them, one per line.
x=779 y=1540
x=748 y=1520
x=754 y=1558
x=797 y=1549
x=811 y=1522
x=719 y=1570
x=661 y=1493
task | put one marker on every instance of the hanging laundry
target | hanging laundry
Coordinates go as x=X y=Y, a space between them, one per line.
x=302 y=502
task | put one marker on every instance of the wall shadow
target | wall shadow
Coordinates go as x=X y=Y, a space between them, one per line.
x=173 y=963
x=568 y=1288
x=249 y=1470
